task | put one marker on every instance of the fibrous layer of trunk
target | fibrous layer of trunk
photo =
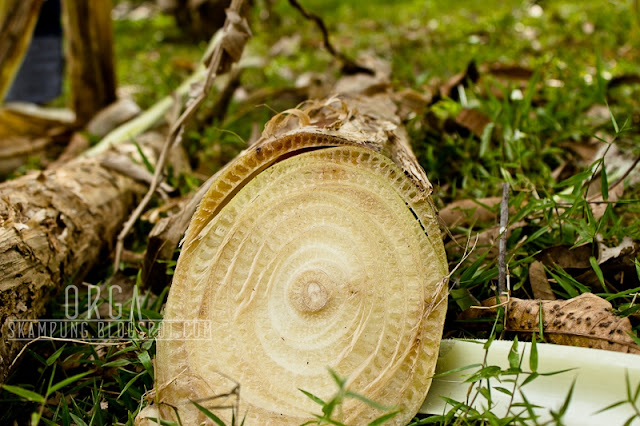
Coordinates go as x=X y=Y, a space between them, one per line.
x=316 y=248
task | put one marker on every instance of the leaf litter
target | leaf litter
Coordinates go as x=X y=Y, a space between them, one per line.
x=586 y=320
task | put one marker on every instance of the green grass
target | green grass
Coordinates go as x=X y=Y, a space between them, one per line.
x=574 y=49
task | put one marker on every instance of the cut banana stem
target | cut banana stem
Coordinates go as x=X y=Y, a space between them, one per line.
x=316 y=248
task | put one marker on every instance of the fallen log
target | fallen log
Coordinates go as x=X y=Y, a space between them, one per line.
x=54 y=225
x=316 y=247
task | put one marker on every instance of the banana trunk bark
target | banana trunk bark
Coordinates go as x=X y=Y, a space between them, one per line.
x=54 y=226
x=316 y=247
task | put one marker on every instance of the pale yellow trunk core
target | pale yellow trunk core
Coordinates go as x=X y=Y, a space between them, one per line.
x=321 y=260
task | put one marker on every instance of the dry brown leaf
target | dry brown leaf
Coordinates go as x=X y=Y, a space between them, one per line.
x=411 y=100
x=586 y=320
x=558 y=171
x=236 y=35
x=589 y=279
x=448 y=89
x=184 y=64
x=624 y=79
x=509 y=72
x=621 y=163
x=484 y=241
x=539 y=282
x=598 y=206
x=113 y=116
x=598 y=115
x=586 y=151
x=567 y=257
x=467 y=212
x=473 y=120
x=362 y=83
x=286 y=46
x=78 y=143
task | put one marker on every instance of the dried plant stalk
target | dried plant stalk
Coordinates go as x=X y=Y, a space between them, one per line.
x=27 y=130
x=316 y=247
x=17 y=21
x=90 y=61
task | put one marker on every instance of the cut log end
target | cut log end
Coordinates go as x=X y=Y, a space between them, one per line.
x=310 y=251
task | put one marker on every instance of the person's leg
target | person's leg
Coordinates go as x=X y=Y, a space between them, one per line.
x=39 y=79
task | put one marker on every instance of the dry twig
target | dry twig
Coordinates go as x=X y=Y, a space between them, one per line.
x=349 y=66
x=502 y=247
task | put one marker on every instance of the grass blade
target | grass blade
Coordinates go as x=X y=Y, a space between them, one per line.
x=68 y=381
x=384 y=418
x=313 y=397
x=209 y=414
x=24 y=393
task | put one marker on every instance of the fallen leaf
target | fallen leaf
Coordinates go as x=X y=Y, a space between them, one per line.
x=509 y=72
x=598 y=206
x=184 y=64
x=566 y=257
x=485 y=241
x=467 y=212
x=362 y=83
x=558 y=171
x=590 y=279
x=586 y=320
x=586 y=151
x=620 y=161
x=77 y=144
x=473 y=120
x=539 y=282
x=113 y=116
x=412 y=100
x=448 y=89
x=606 y=253
x=598 y=115
x=286 y=46
x=623 y=79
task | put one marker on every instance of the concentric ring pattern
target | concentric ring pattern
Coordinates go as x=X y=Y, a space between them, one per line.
x=317 y=262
